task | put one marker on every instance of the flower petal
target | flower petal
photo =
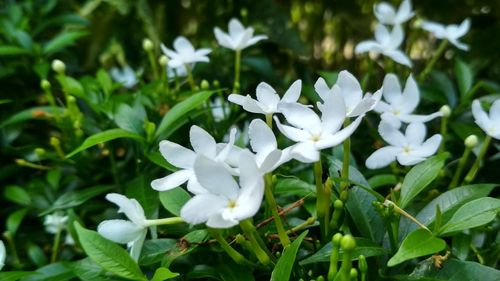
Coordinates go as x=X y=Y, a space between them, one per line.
x=261 y=137
x=409 y=118
x=382 y=157
x=334 y=111
x=249 y=172
x=404 y=12
x=172 y=181
x=368 y=46
x=399 y=57
x=130 y=207
x=415 y=133
x=495 y=111
x=267 y=96
x=182 y=45
x=350 y=89
x=391 y=135
x=391 y=89
x=270 y=161
x=409 y=159
x=429 y=147
x=382 y=34
x=136 y=246
x=217 y=221
x=321 y=88
x=301 y=116
x=411 y=96
x=305 y=152
x=177 y=155
x=120 y=231
x=223 y=39
x=247 y=103
x=201 y=207
x=340 y=136
x=292 y=133
x=293 y=92
x=202 y=142
x=214 y=177
x=236 y=29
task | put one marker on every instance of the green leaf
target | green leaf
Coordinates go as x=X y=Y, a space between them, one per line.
x=158 y=159
x=75 y=198
x=473 y=214
x=15 y=219
x=17 y=195
x=451 y=200
x=71 y=86
x=130 y=119
x=364 y=247
x=284 y=266
x=163 y=273
x=465 y=77
x=154 y=250
x=456 y=270
x=294 y=186
x=15 y=275
x=382 y=180
x=180 y=111
x=420 y=176
x=31 y=113
x=53 y=272
x=105 y=81
x=12 y=51
x=107 y=254
x=174 y=199
x=87 y=270
x=104 y=137
x=417 y=244
x=62 y=40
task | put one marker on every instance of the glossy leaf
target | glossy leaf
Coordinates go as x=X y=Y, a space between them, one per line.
x=473 y=214
x=417 y=244
x=464 y=77
x=15 y=275
x=283 y=268
x=163 y=273
x=75 y=198
x=31 y=113
x=174 y=199
x=62 y=40
x=419 y=177
x=294 y=186
x=104 y=137
x=154 y=250
x=456 y=270
x=107 y=254
x=9 y=50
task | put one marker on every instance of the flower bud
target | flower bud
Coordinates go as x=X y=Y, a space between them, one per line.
x=353 y=274
x=58 y=66
x=362 y=264
x=55 y=142
x=343 y=195
x=204 y=85
x=147 y=45
x=336 y=239
x=471 y=141
x=216 y=84
x=40 y=152
x=338 y=204
x=163 y=60
x=45 y=84
x=445 y=110
x=347 y=243
x=320 y=278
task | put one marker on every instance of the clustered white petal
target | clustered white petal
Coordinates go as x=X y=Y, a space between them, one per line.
x=386 y=14
x=184 y=53
x=407 y=149
x=55 y=222
x=131 y=232
x=238 y=37
x=125 y=76
x=490 y=124
x=450 y=32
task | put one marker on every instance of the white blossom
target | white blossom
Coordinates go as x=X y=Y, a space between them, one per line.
x=450 y=32
x=55 y=222
x=386 y=13
x=125 y=76
x=238 y=37
x=386 y=43
x=407 y=149
x=184 y=53
x=3 y=254
x=490 y=124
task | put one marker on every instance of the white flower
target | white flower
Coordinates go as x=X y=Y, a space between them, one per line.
x=131 y=232
x=203 y=144
x=184 y=53
x=267 y=99
x=125 y=76
x=219 y=110
x=386 y=43
x=489 y=124
x=408 y=149
x=450 y=32
x=226 y=203
x=386 y=13
x=3 y=254
x=313 y=133
x=238 y=37
x=55 y=222
x=351 y=91
x=398 y=105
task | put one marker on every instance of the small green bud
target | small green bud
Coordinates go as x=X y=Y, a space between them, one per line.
x=204 y=85
x=21 y=162
x=344 y=195
x=348 y=243
x=163 y=60
x=240 y=239
x=40 y=152
x=71 y=99
x=338 y=204
x=45 y=84
x=58 y=66
x=320 y=278
x=362 y=264
x=244 y=13
x=147 y=45
x=55 y=142
x=336 y=239
x=471 y=141
x=216 y=84
x=445 y=110
x=353 y=274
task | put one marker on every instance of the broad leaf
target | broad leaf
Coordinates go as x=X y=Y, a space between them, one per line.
x=31 y=113
x=294 y=186
x=107 y=254
x=163 y=273
x=473 y=214
x=417 y=244
x=9 y=50
x=283 y=268
x=464 y=77
x=154 y=250
x=59 y=271
x=15 y=275
x=104 y=137
x=456 y=270
x=174 y=199
x=75 y=198
x=420 y=177
x=62 y=40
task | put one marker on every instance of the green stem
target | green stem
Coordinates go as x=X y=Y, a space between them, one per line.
x=164 y=221
x=269 y=120
x=475 y=167
x=392 y=240
x=345 y=164
x=430 y=65
x=235 y=255
x=249 y=229
x=271 y=201
x=444 y=131
x=237 y=64
x=322 y=202
x=460 y=168
x=55 y=245
x=190 y=77
x=152 y=62
x=13 y=249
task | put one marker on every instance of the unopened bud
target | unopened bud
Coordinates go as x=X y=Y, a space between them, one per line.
x=336 y=239
x=445 y=110
x=362 y=264
x=471 y=141
x=216 y=84
x=58 y=66
x=343 y=195
x=163 y=60
x=338 y=204
x=204 y=85
x=40 y=152
x=55 y=141
x=353 y=274
x=147 y=45
x=45 y=85
x=347 y=243
x=320 y=278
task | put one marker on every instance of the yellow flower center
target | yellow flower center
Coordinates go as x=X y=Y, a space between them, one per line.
x=231 y=204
